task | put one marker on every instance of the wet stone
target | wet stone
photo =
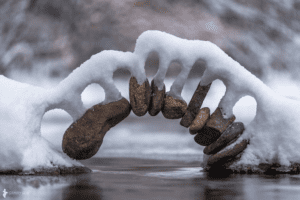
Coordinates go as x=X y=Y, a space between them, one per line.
x=84 y=137
x=200 y=120
x=173 y=108
x=139 y=96
x=156 y=100
x=229 y=135
x=227 y=154
x=194 y=105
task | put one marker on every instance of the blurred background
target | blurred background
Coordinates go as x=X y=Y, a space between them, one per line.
x=42 y=41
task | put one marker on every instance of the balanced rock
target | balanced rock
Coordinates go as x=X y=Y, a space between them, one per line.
x=139 y=96
x=213 y=129
x=84 y=137
x=206 y=136
x=200 y=120
x=173 y=108
x=231 y=134
x=227 y=154
x=217 y=121
x=194 y=105
x=156 y=100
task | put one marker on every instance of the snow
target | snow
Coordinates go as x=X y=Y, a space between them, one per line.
x=273 y=132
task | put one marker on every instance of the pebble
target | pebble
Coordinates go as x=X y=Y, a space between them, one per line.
x=173 y=108
x=200 y=120
x=157 y=99
x=194 y=105
x=230 y=134
x=213 y=128
x=227 y=154
x=206 y=136
x=217 y=121
x=139 y=96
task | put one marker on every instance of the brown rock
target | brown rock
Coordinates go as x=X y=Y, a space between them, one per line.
x=213 y=128
x=194 y=105
x=156 y=100
x=139 y=96
x=217 y=121
x=84 y=137
x=173 y=108
x=200 y=120
x=206 y=136
x=228 y=136
x=227 y=154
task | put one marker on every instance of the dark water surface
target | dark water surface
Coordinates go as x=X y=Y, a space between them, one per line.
x=133 y=178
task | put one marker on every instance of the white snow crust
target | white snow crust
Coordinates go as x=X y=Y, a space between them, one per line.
x=273 y=133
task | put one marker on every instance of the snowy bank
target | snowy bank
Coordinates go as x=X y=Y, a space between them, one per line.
x=272 y=133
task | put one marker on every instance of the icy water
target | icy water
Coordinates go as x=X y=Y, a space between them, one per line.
x=132 y=178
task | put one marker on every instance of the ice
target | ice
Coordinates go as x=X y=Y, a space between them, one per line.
x=273 y=132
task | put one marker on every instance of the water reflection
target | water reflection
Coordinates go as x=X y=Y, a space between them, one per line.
x=83 y=187
x=116 y=178
x=31 y=187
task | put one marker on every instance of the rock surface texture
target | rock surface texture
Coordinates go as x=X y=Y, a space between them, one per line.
x=157 y=99
x=225 y=155
x=194 y=105
x=84 y=137
x=200 y=120
x=213 y=129
x=139 y=96
x=173 y=108
x=228 y=136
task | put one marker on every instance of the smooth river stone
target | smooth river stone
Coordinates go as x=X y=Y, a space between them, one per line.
x=156 y=100
x=84 y=137
x=194 y=105
x=139 y=96
x=213 y=129
x=217 y=121
x=200 y=120
x=228 y=136
x=173 y=108
x=227 y=154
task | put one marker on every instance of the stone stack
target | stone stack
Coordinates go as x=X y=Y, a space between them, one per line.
x=84 y=137
x=214 y=132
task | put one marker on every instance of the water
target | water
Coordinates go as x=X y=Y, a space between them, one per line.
x=136 y=179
